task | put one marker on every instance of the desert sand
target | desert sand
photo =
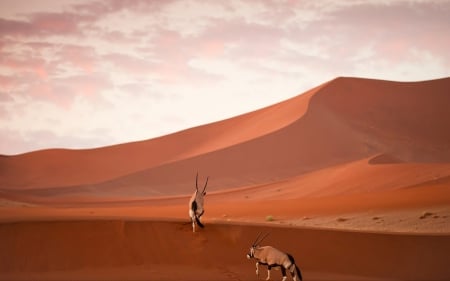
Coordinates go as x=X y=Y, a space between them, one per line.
x=352 y=178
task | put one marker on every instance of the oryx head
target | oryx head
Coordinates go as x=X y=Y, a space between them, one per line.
x=255 y=245
x=203 y=193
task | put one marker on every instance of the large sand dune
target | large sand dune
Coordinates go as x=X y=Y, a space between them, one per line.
x=352 y=177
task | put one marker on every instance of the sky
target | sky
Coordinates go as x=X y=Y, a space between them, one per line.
x=86 y=73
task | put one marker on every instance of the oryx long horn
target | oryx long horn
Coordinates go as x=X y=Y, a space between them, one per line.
x=204 y=188
x=262 y=238
x=257 y=237
x=196 y=181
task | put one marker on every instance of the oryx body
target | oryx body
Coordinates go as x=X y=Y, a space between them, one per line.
x=272 y=257
x=196 y=202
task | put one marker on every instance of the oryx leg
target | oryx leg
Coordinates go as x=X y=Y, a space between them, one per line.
x=192 y=212
x=193 y=224
x=292 y=269
x=283 y=271
x=268 y=272
x=257 y=269
x=294 y=276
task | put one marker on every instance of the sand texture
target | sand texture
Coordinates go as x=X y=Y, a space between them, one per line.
x=352 y=178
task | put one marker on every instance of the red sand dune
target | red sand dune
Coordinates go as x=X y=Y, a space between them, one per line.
x=152 y=250
x=367 y=155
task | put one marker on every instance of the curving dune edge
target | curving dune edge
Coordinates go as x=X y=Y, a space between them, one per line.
x=352 y=178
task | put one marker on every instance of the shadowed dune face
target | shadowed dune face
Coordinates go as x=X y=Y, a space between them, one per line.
x=339 y=122
x=152 y=250
x=409 y=121
x=356 y=154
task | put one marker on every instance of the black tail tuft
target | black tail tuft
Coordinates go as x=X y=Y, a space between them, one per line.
x=297 y=270
x=199 y=222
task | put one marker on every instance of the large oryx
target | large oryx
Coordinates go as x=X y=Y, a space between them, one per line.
x=196 y=204
x=268 y=255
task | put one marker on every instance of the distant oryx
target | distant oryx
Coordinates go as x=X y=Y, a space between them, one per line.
x=196 y=204
x=272 y=257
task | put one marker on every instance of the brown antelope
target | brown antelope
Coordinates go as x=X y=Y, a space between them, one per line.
x=272 y=257
x=196 y=209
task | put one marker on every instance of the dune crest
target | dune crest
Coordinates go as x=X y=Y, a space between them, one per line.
x=341 y=121
x=350 y=177
x=101 y=164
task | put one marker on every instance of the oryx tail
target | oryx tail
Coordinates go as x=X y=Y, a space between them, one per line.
x=297 y=270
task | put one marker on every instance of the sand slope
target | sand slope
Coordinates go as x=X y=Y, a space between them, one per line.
x=342 y=121
x=352 y=177
x=100 y=164
x=152 y=250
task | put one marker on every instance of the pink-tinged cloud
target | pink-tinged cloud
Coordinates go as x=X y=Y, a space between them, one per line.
x=7 y=83
x=80 y=57
x=55 y=23
x=43 y=24
x=102 y=8
x=86 y=85
x=136 y=66
x=393 y=29
x=36 y=66
x=212 y=48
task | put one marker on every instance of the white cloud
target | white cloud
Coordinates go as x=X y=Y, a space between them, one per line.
x=418 y=65
x=315 y=47
x=191 y=18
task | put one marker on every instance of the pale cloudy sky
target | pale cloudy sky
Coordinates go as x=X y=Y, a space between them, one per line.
x=82 y=74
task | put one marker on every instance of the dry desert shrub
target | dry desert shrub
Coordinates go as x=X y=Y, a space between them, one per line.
x=269 y=218
x=426 y=215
